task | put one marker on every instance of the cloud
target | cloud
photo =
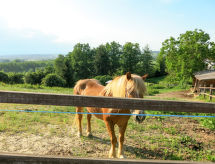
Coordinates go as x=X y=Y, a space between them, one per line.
x=68 y=21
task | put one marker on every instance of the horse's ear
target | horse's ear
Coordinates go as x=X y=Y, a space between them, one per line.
x=128 y=75
x=145 y=76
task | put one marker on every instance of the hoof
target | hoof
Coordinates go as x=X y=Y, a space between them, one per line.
x=79 y=134
x=89 y=135
x=121 y=156
x=112 y=156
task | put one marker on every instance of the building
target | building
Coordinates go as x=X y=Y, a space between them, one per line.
x=203 y=78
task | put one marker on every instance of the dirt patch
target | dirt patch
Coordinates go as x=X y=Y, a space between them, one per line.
x=183 y=95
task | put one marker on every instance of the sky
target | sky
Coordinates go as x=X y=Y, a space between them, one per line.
x=55 y=26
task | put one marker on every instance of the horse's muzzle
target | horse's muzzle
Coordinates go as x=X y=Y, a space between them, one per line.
x=140 y=119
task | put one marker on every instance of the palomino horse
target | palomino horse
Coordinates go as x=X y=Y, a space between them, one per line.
x=129 y=86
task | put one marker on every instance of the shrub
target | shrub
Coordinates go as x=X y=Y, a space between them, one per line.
x=31 y=78
x=103 y=79
x=53 y=80
x=3 y=77
x=15 y=78
x=34 y=77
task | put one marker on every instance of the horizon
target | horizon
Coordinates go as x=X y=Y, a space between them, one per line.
x=55 y=26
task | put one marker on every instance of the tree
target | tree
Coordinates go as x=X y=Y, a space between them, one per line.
x=63 y=68
x=114 y=51
x=82 y=61
x=102 y=61
x=212 y=51
x=59 y=65
x=130 y=57
x=145 y=64
x=186 y=55
x=160 y=66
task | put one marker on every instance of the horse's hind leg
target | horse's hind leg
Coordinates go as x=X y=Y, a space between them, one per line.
x=78 y=120
x=89 y=134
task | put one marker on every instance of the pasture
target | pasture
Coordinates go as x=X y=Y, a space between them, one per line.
x=54 y=134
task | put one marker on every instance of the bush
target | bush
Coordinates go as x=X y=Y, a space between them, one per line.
x=31 y=78
x=53 y=80
x=3 y=77
x=103 y=79
x=34 y=77
x=15 y=78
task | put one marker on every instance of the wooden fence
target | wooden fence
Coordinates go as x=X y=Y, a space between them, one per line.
x=91 y=101
x=203 y=91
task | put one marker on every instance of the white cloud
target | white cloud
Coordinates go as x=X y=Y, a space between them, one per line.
x=64 y=19
x=67 y=20
x=70 y=21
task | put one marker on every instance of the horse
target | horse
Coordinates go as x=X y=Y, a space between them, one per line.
x=127 y=86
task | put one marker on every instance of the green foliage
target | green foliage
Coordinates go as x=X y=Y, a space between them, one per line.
x=63 y=68
x=59 y=65
x=130 y=57
x=53 y=80
x=81 y=59
x=185 y=55
x=15 y=78
x=114 y=51
x=31 y=78
x=102 y=61
x=34 y=77
x=3 y=77
x=103 y=79
x=160 y=66
x=23 y=66
x=145 y=63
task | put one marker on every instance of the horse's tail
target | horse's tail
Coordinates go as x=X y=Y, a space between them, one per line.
x=78 y=88
x=82 y=84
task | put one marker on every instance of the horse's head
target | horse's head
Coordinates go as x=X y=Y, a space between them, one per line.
x=135 y=88
x=128 y=86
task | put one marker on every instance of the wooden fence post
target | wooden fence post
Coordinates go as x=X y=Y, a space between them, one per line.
x=211 y=92
x=204 y=91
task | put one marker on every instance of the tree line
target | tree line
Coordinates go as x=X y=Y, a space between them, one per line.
x=23 y=66
x=179 y=57
x=103 y=62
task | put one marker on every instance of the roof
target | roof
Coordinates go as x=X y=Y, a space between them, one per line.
x=205 y=75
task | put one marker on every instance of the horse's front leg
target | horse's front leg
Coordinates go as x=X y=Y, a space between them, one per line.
x=122 y=129
x=110 y=128
x=78 y=120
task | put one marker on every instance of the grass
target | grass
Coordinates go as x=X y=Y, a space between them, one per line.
x=34 y=88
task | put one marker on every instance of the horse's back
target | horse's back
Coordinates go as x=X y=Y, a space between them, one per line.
x=88 y=87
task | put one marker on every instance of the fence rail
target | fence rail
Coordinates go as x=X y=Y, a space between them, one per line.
x=106 y=102
x=29 y=159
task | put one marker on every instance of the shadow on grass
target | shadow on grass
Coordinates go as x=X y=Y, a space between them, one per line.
x=142 y=153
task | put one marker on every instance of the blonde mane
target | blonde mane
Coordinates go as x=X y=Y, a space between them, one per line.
x=120 y=85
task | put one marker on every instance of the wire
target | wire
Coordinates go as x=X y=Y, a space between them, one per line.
x=122 y=114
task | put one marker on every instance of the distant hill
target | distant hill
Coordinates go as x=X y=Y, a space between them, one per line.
x=30 y=57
